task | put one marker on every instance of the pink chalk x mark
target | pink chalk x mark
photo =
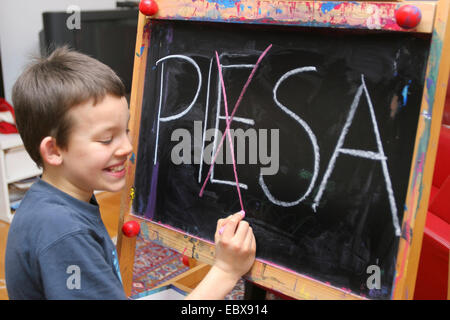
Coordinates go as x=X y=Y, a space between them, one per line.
x=227 y=131
x=230 y=119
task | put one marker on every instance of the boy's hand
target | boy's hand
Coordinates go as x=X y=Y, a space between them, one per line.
x=235 y=254
x=235 y=245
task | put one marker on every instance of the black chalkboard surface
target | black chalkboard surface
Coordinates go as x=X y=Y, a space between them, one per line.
x=327 y=127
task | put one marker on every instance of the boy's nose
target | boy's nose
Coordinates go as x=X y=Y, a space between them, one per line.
x=126 y=148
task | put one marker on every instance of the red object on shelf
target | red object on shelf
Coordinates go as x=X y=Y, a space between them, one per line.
x=185 y=260
x=148 y=7
x=408 y=16
x=7 y=118
x=131 y=228
x=441 y=166
x=432 y=274
x=446 y=117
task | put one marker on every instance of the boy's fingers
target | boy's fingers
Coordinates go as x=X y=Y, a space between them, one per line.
x=221 y=223
x=218 y=227
x=229 y=228
x=241 y=231
x=250 y=242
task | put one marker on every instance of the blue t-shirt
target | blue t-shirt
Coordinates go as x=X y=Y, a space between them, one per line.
x=58 y=248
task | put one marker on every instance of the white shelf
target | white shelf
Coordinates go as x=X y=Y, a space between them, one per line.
x=15 y=165
x=8 y=141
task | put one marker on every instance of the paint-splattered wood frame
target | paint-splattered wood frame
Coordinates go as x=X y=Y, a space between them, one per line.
x=326 y=14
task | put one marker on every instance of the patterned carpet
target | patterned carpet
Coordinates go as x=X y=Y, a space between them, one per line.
x=154 y=265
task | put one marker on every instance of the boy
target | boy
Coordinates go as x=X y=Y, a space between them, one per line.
x=72 y=116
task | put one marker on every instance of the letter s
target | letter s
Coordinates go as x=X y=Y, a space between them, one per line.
x=311 y=135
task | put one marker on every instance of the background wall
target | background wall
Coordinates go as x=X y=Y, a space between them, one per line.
x=20 y=23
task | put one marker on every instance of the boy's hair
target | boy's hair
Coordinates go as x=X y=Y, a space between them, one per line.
x=49 y=87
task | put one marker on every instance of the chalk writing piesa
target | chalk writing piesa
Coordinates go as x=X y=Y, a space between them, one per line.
x=208 y=153
x=312 y=132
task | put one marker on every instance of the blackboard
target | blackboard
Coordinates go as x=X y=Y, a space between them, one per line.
x=345 y=105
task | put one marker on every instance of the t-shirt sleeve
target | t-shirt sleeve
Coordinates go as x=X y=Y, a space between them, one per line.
x=75 y=267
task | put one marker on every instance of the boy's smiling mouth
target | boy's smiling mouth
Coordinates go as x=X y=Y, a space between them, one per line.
x=116 y=169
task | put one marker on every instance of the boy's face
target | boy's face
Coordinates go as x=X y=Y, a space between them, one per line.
x=98 y=147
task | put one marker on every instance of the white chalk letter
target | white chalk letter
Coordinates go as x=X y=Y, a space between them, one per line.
x=181 y=114
x=311 y=135
x=377 y=156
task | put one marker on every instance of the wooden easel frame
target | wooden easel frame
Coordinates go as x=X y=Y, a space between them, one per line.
x=434 y=20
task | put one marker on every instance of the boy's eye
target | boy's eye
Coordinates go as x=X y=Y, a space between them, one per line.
x=106 y=141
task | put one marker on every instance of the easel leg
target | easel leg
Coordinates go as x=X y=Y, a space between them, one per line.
x=253 y=292
x=126 y=253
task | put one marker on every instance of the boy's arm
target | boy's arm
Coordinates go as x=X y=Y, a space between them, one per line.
x=235 y=254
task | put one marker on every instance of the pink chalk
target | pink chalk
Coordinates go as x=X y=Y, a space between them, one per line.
x=227 y=131
x=230 y=119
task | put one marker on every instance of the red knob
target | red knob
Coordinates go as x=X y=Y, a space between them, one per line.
x=185 y=260
x=408 y=16
x=148 y=7
x=131 y=228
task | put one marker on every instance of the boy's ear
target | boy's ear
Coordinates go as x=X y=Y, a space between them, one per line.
x=50 y=152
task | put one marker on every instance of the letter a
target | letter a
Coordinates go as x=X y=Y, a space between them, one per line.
x=361 y=153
